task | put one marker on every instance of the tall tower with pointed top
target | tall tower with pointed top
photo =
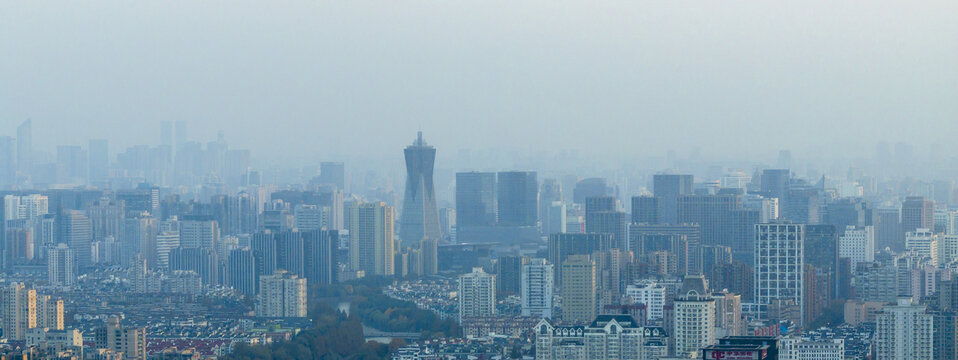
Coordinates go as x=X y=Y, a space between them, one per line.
x=420 y=217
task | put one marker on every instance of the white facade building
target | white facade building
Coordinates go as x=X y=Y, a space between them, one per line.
x=924 y=243
x=857 y=244
x=694 y=318
x=779 y=263
x=536 y=293
x=281 y=295
x=477 y=294
x=650 y=294
x=904 y=331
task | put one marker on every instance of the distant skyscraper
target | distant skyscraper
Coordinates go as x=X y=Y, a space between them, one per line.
x=25 y=147
x=475 y=199
x=242 y=272
x=508 y=275
x=667 y=189
x=71 y=164
x=420 y=215
x=264 y=249
x=888 y=232
x=518 y=198
x=549 y=192
x=590 y=187
x=645 y=210
x=578 y=289
x=106 y=218
x=779 y=263
x=722 y=220
x=319 y=258
x=561 y=246
x=429 y=256
x=7 y=156
x=554 y=219
x=917 y=213
x=180 y=135
x=166 y=133
x=99 y=160
x=610 y=222
x=775 y=183
x=333 y=173
x=536 y=284
x=75 y=228
x=477 y=294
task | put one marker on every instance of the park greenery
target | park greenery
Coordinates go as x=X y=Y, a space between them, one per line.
x=336 y=335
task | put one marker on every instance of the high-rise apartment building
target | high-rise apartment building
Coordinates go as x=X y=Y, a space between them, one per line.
x=578 y=289
x=694 y=317
x=129 y=341
x=23 y=309
x=420 y=215
x=19 y=310
x=779 y=263
x=537 y=285
x=199 y=232
x=650 y=294
x=281 y=295
x=477 y=294
x=61 y=265
x=905 y=331
x=372 y=247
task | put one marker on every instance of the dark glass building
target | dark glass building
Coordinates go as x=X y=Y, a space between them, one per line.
x=420 y=215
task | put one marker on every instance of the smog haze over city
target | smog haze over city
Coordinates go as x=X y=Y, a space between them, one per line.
x=426 y=180
x=616 y=79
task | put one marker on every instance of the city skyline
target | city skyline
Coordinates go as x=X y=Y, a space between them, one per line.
x=613 y=180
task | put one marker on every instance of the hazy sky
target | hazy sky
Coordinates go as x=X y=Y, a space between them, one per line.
x=626 y=78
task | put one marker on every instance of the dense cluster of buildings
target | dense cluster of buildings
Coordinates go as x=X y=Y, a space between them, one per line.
x=649 y=265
